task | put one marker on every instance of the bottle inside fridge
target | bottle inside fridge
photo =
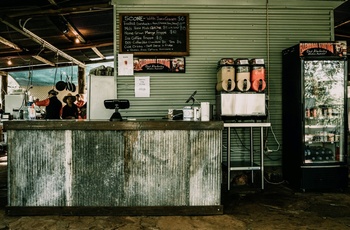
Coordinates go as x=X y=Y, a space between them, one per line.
x=324 y=108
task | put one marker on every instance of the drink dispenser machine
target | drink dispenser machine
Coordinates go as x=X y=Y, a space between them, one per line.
x=245 y=97
x=242 y=75
x=258 y=75
x=225 y=75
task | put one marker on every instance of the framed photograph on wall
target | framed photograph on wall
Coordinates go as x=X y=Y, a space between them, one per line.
x=163 y=65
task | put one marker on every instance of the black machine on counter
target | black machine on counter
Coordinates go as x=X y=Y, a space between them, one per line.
x=116 y=105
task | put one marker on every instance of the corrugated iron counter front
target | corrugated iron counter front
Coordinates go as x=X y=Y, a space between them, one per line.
x=114 y=168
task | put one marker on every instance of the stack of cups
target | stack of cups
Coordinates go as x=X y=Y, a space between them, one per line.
x=242 y=75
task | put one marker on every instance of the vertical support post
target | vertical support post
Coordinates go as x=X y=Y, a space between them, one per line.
x=228 y=158
x=81 y=80
x=262 y=156
x=252 y=152
x=4 y=84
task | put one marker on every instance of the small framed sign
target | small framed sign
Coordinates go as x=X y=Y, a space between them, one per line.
x=164 y=65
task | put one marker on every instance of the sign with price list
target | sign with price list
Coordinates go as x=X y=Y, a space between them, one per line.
x=154 y=34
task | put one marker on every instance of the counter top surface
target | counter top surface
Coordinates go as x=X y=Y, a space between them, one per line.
x=112 y=125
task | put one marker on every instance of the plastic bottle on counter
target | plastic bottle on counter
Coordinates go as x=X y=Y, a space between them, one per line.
x=31 y=113
x=25 y=113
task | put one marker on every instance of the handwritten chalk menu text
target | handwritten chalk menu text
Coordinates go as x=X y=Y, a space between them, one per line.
x=154 y=34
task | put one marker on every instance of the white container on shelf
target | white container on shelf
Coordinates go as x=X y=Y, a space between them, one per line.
x=196 y=113
x=205 y=111
x=187 y=113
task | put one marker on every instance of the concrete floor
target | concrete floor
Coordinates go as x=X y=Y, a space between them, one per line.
x=245 y=207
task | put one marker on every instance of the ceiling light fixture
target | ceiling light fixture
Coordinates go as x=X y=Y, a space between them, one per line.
x=99 y=59
x=9 y=62
x=77 y=41
x=96 y=59
x=76 y=34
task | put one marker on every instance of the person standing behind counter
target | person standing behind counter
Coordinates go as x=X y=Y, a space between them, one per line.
x=81 y=104
x=53 y=105
x=70 y=110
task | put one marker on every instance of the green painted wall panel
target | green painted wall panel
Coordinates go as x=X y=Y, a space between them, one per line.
x=237 y=29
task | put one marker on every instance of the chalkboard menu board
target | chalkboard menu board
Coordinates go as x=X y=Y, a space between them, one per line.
x=154 y=34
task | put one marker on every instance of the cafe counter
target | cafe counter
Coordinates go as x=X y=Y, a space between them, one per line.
x=86 y=167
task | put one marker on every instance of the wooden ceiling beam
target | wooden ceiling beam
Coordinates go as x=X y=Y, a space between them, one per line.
x=342 y=24
x=10 y=44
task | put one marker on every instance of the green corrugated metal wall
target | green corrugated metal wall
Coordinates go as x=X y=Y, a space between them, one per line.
x=238 y=29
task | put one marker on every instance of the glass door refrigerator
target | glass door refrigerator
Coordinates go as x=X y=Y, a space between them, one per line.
x=314 y=105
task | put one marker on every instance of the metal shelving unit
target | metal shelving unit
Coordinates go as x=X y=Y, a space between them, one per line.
x=250 y=166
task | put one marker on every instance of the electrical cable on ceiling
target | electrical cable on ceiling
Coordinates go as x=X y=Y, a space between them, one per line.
x=49 y=46
x=11 y=39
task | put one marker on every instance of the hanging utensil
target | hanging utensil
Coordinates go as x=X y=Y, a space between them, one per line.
x=73 y=87
x=71 y=80
x=68 y=83
x=61 y=85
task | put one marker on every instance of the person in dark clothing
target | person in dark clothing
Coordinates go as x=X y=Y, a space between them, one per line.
x=53 y=105
x=70 y=110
